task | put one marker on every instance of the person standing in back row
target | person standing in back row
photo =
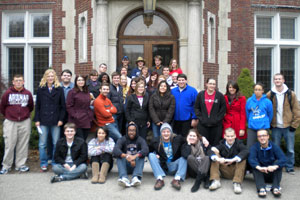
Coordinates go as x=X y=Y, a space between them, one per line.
x=286 y=118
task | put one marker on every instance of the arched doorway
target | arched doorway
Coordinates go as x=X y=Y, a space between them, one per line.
x=136 y=39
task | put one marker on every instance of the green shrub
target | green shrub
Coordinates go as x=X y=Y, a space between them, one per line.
x=245 y=83
x=34 y=136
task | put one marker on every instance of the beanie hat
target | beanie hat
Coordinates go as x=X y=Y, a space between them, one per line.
x=164 y=126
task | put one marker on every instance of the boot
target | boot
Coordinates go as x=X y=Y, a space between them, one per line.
x=197 y=183
x=103 y=172
x=206 y=182
x=95 y=172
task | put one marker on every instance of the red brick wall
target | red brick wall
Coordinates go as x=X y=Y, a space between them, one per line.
x=81 y=6
x=58 y=32
x=210 y=70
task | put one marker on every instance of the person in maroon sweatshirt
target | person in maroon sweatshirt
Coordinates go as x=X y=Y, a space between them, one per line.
x=16 y=106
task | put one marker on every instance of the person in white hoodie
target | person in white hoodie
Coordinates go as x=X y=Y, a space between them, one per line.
x=286 y=118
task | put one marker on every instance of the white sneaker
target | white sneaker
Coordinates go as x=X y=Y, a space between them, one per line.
x=124 y=182
x=215 y=185
x=135 y=182
x=237 y=188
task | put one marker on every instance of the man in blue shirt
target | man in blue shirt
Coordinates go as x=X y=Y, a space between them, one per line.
x=66 y=84
x=185 y=97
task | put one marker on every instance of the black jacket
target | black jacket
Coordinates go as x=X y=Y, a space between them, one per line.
x=238 y=149
x=207 y=150
x=50 y=107
x=217 y=112
x=162 y=108
x=178 y=148
x=136 y=113
x=78 y=151
x=93 y=89
x=124 y=143
x=116 y=97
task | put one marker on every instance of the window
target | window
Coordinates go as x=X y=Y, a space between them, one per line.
x=27 y=45
x=277 y=48
x=211 y=37
x=82 y=42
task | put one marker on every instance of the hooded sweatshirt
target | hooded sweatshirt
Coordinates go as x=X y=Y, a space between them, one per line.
x=134 y=146
x=259 y=112
x=16 y=105
x=280 y=102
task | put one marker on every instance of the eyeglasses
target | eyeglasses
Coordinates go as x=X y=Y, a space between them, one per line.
x=260 y=136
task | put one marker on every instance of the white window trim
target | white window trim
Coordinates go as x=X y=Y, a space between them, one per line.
x=82 y=37
x=211 y=52
x=276 y=43
x=27 y=42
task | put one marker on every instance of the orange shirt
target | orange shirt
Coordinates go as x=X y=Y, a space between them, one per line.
x=104 y=110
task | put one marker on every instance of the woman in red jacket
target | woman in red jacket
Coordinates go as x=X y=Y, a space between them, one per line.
x=235 y=116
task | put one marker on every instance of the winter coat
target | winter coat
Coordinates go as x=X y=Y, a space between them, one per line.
x=78 y=151
x=93 y=89
x=162 y=108
x=178 y=149
x=78 y=107
x=217 y=112
x=185 y=101
x=237 y=149
x=116 y=97
x=272 y=155
x=259 y=112
x=290 y=117
x=16 y=105
x=136 y=113
x=50 y=107
x=235 y=116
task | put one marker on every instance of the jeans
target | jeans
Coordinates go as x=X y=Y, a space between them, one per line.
x=125 y=168
x=271 y=177
x=251 y=137
x=113 y=131
x=289 y=137
x=118 y=120
x=69 y=175
x=177 y=168
x=43 y=140
x=156 y=130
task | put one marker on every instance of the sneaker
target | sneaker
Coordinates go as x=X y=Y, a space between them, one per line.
x=291 y=171
x=23 y=168
x=237 y=188
x=124 y=182
x=176 y=184
x=135 y=182
x=215 y=185
x=159 y=184
x=56 y=179
x=44 y=168
x=4 y=171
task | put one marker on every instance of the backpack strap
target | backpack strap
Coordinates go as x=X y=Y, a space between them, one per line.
x=289 y=93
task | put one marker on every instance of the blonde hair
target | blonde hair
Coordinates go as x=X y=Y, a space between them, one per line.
x=43 y=82
x=139 y=84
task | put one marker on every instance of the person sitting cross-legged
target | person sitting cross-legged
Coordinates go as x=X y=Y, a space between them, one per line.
x=130 y=152
x=229 y=159
x=168 y=156
x=267 y=161
x=70 y=156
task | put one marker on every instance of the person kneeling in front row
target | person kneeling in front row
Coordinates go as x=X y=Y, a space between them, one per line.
x=70 y=156
x=267 y=161
x=229 y=159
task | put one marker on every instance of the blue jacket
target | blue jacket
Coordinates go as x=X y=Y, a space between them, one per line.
x=272 y=155
x=185 y=100
x=50 y=107
x=259 y=113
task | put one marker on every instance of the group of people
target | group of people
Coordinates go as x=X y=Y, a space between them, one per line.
x=187 y=127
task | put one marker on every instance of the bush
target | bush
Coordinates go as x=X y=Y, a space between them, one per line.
x=245 y=83
x=34 y=136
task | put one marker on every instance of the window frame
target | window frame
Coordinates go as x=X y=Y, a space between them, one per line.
x=276 y=43
x=28 y=42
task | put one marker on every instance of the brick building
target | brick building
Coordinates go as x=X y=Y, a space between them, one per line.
x=209 y=38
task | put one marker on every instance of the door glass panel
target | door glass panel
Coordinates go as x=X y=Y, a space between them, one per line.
x=133 y=51
x=137 y=27
x=165 y=51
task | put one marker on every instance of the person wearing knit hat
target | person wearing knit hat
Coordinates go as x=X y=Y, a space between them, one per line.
x=168 y=156
x=130 y=152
